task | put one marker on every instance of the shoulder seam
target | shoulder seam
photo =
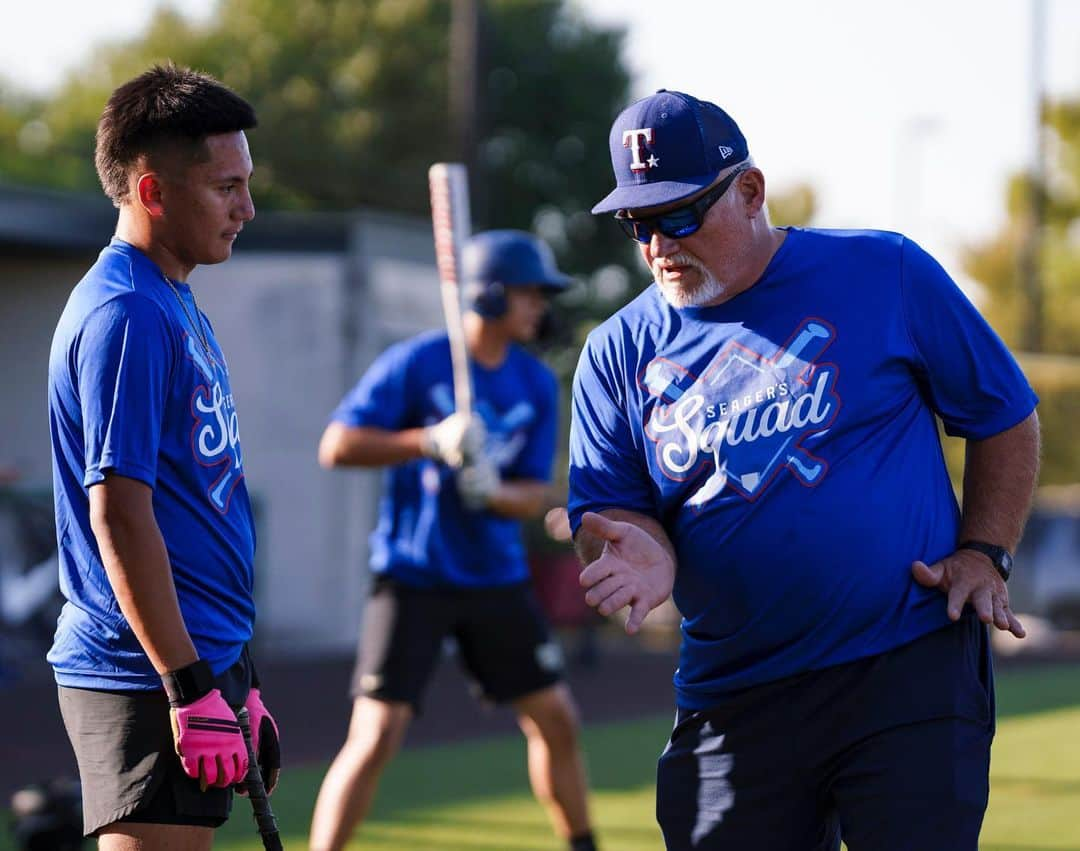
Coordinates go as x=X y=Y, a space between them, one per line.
x=903 y=301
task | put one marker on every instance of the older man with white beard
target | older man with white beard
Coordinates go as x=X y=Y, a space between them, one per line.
x=757 y=434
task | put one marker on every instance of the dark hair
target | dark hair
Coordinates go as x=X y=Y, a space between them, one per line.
x=167 y=107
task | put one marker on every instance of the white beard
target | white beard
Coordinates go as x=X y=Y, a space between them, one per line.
x=707 y=291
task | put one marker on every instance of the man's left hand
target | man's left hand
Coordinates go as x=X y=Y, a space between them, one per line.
x=477 y=484
x=264 y=741
x=966 y=577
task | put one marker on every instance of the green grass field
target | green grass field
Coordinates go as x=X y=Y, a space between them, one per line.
x=475 y=796
x=471 y=797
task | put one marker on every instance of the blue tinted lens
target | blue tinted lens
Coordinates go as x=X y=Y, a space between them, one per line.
x=641 y=231
x=675 y=225
x=679 y=224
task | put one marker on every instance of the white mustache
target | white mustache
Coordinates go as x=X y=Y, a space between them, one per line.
x=705 y=291
x=680 y=259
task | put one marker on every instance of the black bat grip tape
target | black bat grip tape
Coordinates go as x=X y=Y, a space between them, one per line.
x=260 y=804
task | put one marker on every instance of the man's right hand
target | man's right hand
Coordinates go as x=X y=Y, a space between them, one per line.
x=633 y=569
x=457 y=440
x=206 y=734
x=208 y=741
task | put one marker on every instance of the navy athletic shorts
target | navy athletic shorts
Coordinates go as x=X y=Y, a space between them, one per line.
x=502 y=637
x=891 y=752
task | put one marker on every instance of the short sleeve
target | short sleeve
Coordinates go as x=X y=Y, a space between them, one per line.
x=973 y=382
x=380 y=398
x=536 y=458
x=123 y=361
x=606 y=466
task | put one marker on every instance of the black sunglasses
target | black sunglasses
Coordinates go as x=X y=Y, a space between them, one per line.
x=677 y=223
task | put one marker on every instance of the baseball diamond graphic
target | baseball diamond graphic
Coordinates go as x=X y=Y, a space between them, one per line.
x=744 y=418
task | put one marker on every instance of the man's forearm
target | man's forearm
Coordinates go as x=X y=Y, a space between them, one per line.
x=1000 y=473
x=520 y=499
x=351 y=446
x=137 y=564
x=589 y=547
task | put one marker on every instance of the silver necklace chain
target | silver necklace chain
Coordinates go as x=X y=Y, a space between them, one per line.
x=197 y=328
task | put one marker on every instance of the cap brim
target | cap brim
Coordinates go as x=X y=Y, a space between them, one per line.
x=556 y=284
x=651 y=194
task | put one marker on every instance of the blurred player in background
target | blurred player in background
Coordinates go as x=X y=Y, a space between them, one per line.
x=156 y=540
x=447 y=554
x=757 y=430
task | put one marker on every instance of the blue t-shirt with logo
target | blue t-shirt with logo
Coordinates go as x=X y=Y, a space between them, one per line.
x=133 y=393
x=426 y=537
x=787 y=442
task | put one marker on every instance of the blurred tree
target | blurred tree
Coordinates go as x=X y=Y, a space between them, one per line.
x=996 y=264
x=794 y=206
x=353 y=101
x=353 y=106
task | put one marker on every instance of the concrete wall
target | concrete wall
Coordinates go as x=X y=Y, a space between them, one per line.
x=275 y=316
x=298 y=331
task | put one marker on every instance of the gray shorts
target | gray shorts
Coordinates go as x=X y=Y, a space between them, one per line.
x=128 y=767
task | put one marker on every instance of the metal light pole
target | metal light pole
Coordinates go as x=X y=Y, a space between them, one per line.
x=464 y=49
x=1030 y=259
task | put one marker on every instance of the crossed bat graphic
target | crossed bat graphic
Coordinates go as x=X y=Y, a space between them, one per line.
x=788 y=364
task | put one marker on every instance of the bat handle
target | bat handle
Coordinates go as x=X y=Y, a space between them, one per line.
x=260 y=803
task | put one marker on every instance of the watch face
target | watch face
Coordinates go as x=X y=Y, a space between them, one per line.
x=1006 y=561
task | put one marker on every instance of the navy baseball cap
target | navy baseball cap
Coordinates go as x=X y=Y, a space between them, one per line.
x=668 y=146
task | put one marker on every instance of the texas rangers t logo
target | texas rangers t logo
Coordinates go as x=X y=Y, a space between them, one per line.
x=742 y=421
x=636 y=140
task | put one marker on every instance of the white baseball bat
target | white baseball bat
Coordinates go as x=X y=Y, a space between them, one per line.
x=449 y=184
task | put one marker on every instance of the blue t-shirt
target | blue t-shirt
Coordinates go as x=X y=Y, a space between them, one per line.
x=132 y=393
x=787 y=442
x=426 y=537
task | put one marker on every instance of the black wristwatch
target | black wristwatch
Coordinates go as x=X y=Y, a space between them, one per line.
x=1000 y=557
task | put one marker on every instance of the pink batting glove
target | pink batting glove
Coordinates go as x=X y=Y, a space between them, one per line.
x=208 y=741
x=264 y=739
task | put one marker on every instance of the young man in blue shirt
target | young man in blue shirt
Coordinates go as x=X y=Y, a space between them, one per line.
x=447 y=553
x=756 y=433
x=156 y=540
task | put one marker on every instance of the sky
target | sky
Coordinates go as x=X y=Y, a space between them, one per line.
x=907 y=116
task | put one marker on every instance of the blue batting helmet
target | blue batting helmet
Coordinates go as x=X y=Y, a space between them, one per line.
x=493 y=260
